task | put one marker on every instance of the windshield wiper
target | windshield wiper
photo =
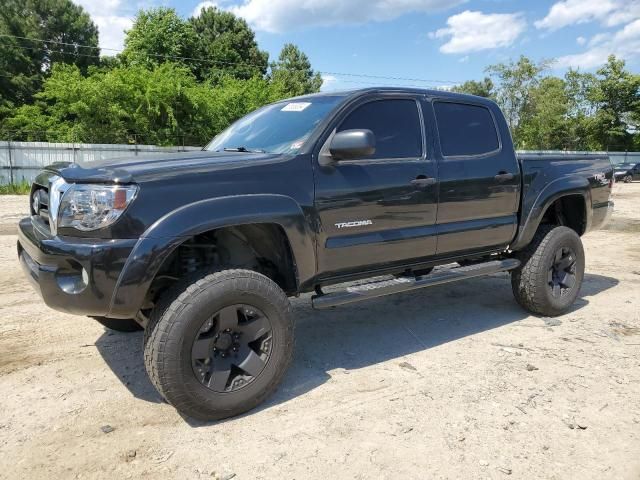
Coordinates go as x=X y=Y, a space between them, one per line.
x=242 y=150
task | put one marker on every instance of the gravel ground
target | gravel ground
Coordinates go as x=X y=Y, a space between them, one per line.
x=449 y=382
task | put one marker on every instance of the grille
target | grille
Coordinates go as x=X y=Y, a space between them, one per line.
x=40 y=203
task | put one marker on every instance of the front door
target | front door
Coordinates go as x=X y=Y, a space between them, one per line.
x=380 y=210
x=479 y=179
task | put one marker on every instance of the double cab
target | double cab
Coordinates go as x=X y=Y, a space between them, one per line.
x=202 y=250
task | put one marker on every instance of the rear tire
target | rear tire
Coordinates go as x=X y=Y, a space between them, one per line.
x=549 y=279
x=125 y=326
x=219 y=344
x=627 y=179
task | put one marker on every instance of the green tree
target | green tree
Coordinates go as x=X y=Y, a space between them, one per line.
x=546 y=124
x=67 y=30
x=483 y=88
x=581 y=109
x=516 y=81
x=58 y=28
x=292 y=74
x=616 y=97
x=160 y=105
x=578 y=85
x=229 y=46
x=159 y=35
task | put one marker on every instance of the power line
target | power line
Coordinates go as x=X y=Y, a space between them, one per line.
x=212 y=61
x=356 y=82
x=359 y=82
x=24 y=47
x=54 y=41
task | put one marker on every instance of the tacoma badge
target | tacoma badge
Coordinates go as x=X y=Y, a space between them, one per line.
x=357 y=223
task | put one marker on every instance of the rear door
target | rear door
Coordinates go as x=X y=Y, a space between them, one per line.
x=379 y=210
x=479 y=178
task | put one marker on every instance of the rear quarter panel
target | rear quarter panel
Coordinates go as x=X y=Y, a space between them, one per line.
x=547 y=177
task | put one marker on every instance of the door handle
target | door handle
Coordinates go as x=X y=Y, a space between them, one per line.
x=504 y=176
x=422 y=181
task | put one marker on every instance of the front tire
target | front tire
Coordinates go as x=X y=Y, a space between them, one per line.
x=549 y=279
x=219 y=345
x=627 y=179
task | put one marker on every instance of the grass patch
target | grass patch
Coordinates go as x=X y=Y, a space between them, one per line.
x=22 y=188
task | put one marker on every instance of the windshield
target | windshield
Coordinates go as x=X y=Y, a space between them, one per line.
x=279 y=128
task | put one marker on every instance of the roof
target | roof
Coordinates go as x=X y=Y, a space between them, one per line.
x=415 y=91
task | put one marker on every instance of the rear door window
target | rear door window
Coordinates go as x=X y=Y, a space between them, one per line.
x=395 y=124
x=465 y=130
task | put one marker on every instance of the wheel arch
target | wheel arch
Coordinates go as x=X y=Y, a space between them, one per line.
x=276 y=213
x=565 y=201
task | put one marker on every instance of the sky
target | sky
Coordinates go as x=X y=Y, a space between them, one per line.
x=425 y=43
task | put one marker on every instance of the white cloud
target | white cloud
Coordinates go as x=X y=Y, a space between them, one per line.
x=208 y=4
x=581 y=40
x=111 y=29
x=624 y=43
x=201 y=6
x=608 y=12
x=471 y=31
x=111 y=22
x=286 y=15
x=328 y=81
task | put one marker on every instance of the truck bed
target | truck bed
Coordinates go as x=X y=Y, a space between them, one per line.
x=542 y=172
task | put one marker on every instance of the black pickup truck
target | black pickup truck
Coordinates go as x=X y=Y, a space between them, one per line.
x=203 y=249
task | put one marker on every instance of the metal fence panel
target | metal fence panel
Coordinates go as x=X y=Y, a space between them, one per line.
x=21 y=161
x=624 y=157
x=615 y=157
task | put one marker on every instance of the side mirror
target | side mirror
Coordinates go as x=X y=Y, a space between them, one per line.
x=352 y=144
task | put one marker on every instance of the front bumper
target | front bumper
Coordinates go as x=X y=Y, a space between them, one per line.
x=73 y=275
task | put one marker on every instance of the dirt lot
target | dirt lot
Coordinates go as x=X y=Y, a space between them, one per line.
x=450 y=382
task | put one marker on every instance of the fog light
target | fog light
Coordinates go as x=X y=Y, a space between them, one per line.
x=73 y=280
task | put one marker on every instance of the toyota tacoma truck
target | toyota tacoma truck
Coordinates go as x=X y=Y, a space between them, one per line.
x=203 y=250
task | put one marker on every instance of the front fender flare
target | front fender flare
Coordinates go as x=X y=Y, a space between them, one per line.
x=533 y=213
x=167 y=233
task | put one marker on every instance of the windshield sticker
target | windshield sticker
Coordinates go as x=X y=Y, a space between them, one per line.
x=296 y=106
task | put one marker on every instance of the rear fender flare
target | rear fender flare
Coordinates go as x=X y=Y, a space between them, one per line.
x=531 y=217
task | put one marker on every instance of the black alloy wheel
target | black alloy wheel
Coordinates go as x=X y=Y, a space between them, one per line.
x=232 y=348
x=562 y=273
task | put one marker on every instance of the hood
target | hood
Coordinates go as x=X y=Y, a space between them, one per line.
x=139 y=169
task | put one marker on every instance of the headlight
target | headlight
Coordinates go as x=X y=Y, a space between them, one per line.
x=88 y=207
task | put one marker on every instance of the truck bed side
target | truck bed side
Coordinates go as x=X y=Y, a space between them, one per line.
x=583 y=180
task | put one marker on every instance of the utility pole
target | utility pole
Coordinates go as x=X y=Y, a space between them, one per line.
x=10 y=162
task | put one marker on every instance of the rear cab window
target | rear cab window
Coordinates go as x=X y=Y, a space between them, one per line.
x=394 y=122
x=465 y=130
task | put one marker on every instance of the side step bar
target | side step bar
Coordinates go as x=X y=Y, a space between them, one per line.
x=404 y=284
